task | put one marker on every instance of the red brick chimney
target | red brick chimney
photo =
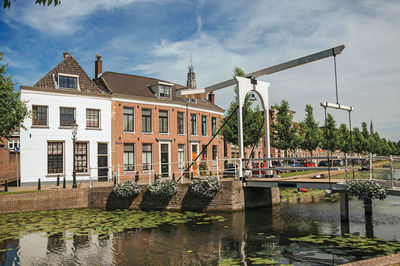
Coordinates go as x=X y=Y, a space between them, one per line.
x=65 y=54
x=98 y=67
x=211 y=97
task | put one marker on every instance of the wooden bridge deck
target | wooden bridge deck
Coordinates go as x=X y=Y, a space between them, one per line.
x=293 y=182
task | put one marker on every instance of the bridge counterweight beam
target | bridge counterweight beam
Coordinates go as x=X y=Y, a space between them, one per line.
x=344 y=205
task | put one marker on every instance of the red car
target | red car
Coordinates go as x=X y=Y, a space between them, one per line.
x=261 y=165
x=308 y=163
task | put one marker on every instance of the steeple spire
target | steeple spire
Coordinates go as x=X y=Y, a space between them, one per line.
x=371 y=129
x=191 y=76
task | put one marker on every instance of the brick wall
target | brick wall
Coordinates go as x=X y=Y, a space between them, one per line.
x=7 y=163
x=232 y=197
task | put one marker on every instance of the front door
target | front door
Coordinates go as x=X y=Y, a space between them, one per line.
x=164 y=160
x=102 y=162
x=195 y=148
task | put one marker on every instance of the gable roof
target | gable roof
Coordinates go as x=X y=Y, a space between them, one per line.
x=68 y=66
x=133 y=85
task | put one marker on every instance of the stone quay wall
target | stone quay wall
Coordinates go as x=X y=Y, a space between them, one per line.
x=231 y=197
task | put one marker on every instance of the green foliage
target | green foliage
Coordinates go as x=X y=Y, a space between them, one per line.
x=331 y=141
x=284 y=135
x=252 y=121
x=12 y=110
x=366 y=190
x=206 y=187
x=344 y=138
x=7 y=3
x=126 y=189
x=310 y=132
x=164 y=188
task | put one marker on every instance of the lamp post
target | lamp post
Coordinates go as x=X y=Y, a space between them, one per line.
x=74 y=133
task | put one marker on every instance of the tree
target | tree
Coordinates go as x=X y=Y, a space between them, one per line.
x=284 y=134
x=253 y=121
x=344 y=138
x=358 y=140
x=12 y=110
x=331 y=142
x=310 y=132
x=366 y=138
x=7 y=3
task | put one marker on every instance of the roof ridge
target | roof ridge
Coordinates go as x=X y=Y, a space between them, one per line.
x=139 y=76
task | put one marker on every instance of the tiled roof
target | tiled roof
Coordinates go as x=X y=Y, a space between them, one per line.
x=132 y=85
x=68 y=66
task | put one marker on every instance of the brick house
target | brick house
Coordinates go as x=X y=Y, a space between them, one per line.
x=155 y=132
x=9 y=158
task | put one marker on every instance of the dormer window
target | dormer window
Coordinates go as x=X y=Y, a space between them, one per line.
x=66 y=81
x=161 y=89
x=165 y=91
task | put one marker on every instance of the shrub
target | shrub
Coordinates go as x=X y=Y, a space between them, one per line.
x=203 y=168
x=206 y=187
x=164 y=188
x=366 y=190
x=126 y=189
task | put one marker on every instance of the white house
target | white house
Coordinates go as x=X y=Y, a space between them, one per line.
x=63 y=96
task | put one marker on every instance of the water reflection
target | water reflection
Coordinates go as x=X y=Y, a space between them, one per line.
x=244 y=237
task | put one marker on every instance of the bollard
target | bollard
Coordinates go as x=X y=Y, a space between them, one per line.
x=210 y=173
x=64 y=183
x=191 y=176
x=173 y=176
x=6 y=186
x=115 y=180
x=155 y=177
x=137 y=177
x=58 y=180
x=39 y=187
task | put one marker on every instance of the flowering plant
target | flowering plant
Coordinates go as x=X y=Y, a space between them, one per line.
x=206 y=187
x=164 y=188
x=126 y=189
x=366 y=190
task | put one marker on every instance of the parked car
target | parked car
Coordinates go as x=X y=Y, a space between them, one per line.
x=277 y=164
x=261 y=172
x=308 y=163
x=333 y=163
x=230 y=170
x=365 y=166
x=294 y=163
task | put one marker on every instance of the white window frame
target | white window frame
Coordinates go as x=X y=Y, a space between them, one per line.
x=56 y=78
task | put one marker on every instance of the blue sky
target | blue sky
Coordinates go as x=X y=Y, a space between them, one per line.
x=156 y=37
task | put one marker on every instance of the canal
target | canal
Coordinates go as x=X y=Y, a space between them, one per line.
x=290 y=233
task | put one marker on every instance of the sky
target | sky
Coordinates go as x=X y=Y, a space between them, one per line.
x=156 y=38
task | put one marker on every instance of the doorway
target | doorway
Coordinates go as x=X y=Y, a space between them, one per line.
x=102 y=162
x=164 y=156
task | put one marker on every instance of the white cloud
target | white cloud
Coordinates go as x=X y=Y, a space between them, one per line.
x=65 y=19
x=272 y=32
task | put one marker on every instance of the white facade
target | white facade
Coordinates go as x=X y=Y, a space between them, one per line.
x=34 y=140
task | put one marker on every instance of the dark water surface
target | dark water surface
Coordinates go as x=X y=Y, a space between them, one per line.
x=264 y=236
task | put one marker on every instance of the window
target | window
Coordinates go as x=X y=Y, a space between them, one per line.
x=102 y=161
x=181 y=156
x=128 y=119
x=204 y=156
x=55 y=157
x=204 y=125
x=215 y=155
x=68 y=82
x=129 y=157
x=92 y=118
x=214 y=126
x=146 y=120
x=165 y=91
x=13 y=143
x=67 y=116
x=147 y=157
x=181 y=123
x=39 y=115
x=193 y=124
x=81 y=157
x=163 y=121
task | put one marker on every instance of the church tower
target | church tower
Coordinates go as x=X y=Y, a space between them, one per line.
x=371 y=129
x=191 y=76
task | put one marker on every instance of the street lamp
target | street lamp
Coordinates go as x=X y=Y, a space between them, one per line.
x=74 y=133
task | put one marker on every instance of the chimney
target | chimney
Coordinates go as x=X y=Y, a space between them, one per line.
x=65 y=54
x=211 y=97
x=98 y=66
